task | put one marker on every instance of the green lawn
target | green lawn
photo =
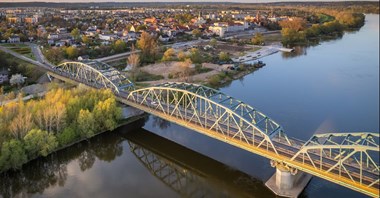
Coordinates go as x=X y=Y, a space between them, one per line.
x=325 y=18
x=21 y=49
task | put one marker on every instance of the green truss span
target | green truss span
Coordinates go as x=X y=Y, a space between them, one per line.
x=348 y=159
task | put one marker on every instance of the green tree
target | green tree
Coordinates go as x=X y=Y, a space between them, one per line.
x=291 y=36
x=197 y=33
x=75 y=33
x=223 y=56
x=258 y=39
x=213 y=42
x=54 y=55
x=86 y=123
x=195 y=56
x=72 y=52
x=12 y=155
x=38 y=142
x=107 y=114
x=119 y=46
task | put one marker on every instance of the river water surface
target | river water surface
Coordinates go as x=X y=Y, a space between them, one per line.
x=331 y=87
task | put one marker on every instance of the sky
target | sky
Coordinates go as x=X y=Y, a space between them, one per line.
x=235 y=1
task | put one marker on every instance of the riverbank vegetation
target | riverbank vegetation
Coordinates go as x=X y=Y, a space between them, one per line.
x=39 y=127
x=296 y=32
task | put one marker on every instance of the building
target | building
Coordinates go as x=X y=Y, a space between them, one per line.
x=3 y=76
x=13 y=19
x=14 y=39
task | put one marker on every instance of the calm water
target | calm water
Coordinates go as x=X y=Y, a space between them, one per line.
x=332 y=87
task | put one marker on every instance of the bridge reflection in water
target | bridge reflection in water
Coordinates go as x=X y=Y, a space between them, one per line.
x=189 y=173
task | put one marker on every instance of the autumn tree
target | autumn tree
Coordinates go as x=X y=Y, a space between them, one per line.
x=181 y=55
x=258 y=39
x=185 y=70
x=86 y=40
x=169 y=55
x=296 y=23
x=148 y=46
x=72 y=52
x=119 y=46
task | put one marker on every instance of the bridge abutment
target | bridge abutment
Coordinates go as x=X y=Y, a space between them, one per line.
x=286 y=182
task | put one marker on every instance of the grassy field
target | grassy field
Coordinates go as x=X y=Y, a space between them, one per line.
x=271 y=38
x=325 y=18
x=21 y=49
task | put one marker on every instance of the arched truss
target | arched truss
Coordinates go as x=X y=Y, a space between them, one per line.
x=95 y=74
x=185 y=182
x=211 y=110
x=348 y=155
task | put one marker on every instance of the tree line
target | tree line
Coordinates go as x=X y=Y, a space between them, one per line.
x=38 y=127
x=296 y=31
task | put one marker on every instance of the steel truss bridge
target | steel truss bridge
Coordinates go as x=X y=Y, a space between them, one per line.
x=348 y=159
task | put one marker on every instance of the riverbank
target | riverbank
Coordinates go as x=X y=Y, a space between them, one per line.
x=125 y=121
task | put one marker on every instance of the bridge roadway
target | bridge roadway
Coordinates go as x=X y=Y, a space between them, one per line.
x=284 y=151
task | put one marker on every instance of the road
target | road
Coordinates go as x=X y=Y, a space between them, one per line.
x=24 y=58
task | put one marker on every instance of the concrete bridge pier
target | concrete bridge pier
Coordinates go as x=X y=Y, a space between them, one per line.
x=287 y=181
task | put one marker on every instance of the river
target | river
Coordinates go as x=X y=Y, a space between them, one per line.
x=331 y=87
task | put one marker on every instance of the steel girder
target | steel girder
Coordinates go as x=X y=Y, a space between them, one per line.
x=211 y=110
x=181 y=180
x=350 y=155
x=95 y=74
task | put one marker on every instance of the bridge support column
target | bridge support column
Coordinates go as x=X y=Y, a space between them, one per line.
x=288 y=182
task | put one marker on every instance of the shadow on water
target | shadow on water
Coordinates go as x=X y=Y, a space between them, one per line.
x=186 y=172
x=189 y=173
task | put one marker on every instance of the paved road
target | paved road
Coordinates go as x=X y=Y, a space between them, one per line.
x=40 y=64
x=116 y=56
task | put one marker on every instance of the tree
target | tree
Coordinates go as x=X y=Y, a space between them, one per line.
x=297 y=24
x=72 y=52
x=148 y=46
x=76 y=34
x=119 y=46
x=38 y=142
x=169 y=55
x=185 y=69
x=21 y=124
x=12 y=155
x=86 y=40
x=107 y=114
x=54 y=55
x=258 y=39
x=86 y=123
x=213 y=42
x=181 y=55
x=197 y=33
x=223 y=56
x=17 y=79
x=291 y=36
x=195 y=56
